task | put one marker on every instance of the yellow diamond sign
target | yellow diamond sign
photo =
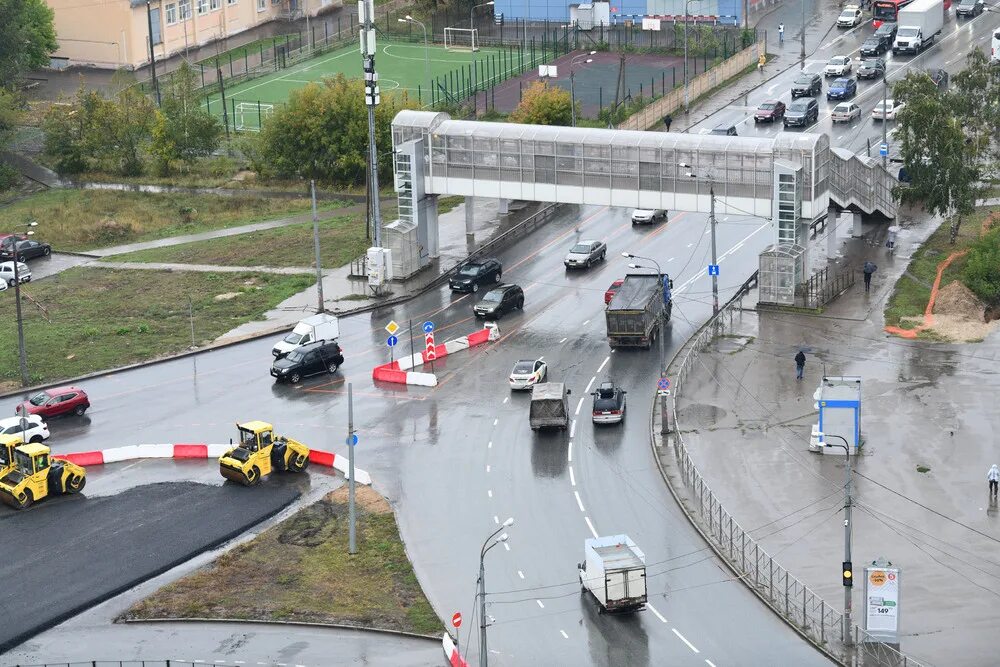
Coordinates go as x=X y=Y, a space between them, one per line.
x=392 y=327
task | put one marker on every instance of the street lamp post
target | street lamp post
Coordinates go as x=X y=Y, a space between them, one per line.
x=22 y=354
x=847 y=529
x=572 y=82
x=712 y=224
x=659 y=271
x=687 y=5
x=427 y=65
x=474 y=8
x=802 y=36
x=483 y=650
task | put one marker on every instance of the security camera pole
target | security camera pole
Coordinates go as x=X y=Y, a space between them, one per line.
x=372 y=99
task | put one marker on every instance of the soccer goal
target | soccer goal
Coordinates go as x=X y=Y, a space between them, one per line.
x=461 y=39
x=250 y=116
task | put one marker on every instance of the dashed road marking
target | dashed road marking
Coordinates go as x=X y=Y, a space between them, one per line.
x=569 y=452
x=572 y=428
x=690 y=244
x=540 y=604
x=563 y=633
x=603 y=364
x=578 y=501
x=520 y=574
x=709 y=663
x=496 y=519
x=670 y=260
x=489 y=445
x=572 y=477
x=590 y=384
x=506 y=546
x=683 y=639
x=496 y=421
x=578 y=406
x=489 y=492
x=506 y=398
x=487 y=468
x=563 y=341
x=591 y=526
x=656 y=613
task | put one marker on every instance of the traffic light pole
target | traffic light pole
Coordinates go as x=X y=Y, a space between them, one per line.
x=848 y=570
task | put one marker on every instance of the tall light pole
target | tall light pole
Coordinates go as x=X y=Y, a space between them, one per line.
x=484 y=656
x=659 y=271
x=572 y=82
x=711 y=222
x=885 y=140
x=474 y=8
x=802 y=36
x=372 y=99
x=152 y=56
x=847 y=531
x=21 y=352
x=687 y=5
x=427 y=64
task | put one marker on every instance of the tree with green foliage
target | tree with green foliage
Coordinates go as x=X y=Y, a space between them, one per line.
x=322 y=133
x=183 y=129
x=27 y=38
x=976 y=103
x=982 y=268
x=544 y=105
x=121 y=128
x=68 y=127
x=10 y=115
x=941 y=164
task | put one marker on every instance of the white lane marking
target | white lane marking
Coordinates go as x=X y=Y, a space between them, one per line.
x=572 y=477
x=586 y=322
x=572 y=428
x=540 y=604
x=489 y=492
x=496 y=421
x=670 y=260
x=520 y=574
x=690 y=244
x=709 y=663
x=489 y=445
x=496 y=519
x=689 y=644
x=569 y=452
x=578 y=406
x=656 y=613
x=707 y=232
x=563 y=633
x=578 y=501
x=591 y=526
x=487 y=468
x=603 y=364
x=506 y=546
x=506 y=398
x=563 y=341
x=698 y=275
x=589 y=385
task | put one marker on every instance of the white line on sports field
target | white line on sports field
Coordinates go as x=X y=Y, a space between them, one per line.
x=569 y=452
x=563 y=633
x=709 y=663
x=591 y=526
x=603 y=364
x=683 y=639
x=578 y=501
x=590 y=384
x=572 y=477
x=656 y=613
x=578 y=406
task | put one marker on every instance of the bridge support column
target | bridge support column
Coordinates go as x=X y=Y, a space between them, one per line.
x=503 y=206
x=857 y=230
x=470 y=220
x=832 y=220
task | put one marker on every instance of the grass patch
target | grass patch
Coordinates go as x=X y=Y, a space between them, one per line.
x=86 y=219
x=301 y=571
x=88 y=319
x=341 y=240
x=448 y=203
x=912 y=291
x=922 y=468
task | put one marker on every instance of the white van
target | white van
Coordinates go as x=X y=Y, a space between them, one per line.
x=309 y=330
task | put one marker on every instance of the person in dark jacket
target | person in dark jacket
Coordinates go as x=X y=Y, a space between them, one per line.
x=667 y=120
x=869 y=269
x=800 y=364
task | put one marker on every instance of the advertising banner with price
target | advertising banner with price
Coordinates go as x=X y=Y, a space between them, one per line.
x=882 y=603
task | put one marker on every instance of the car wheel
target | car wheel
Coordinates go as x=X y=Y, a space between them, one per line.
x=475 y=287
x=294 y=378
x=253 y=476
x=35 y=438
x=496 y=278
x=25 y=503
x=10 y=283
x=22 y=258
x=46 y=251
x=332 y=368
x=79 y=410
x=76 y=484
x=520 y=304
x=604 y=255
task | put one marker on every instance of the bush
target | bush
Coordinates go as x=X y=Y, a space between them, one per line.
x=9 y=177
x=982 y=268
x=112 y=231
x=544 y=105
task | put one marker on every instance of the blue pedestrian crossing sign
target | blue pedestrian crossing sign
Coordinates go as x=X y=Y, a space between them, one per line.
x=883 y=149
x=428 y=326
x=713 y=269
x=391 y=341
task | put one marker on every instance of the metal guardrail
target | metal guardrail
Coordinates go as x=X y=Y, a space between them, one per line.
x=127 y=663
x=783 y=592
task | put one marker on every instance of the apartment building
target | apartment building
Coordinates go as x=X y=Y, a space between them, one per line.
x=115 y=33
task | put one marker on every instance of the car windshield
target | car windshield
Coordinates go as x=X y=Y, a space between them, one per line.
x=870 y=64
x=39 y=398
x=803 y=80
x=295 y=355
x=838 y=60
x=799 y=106
x=470 y=270
x=294 y=338
x=493 y=297
x=847 y=14
x=524 y=367
x=907 y=32
x=767 y=106
x=581 y=248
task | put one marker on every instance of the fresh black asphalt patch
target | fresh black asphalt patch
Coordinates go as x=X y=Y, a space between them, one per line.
x=64 y=555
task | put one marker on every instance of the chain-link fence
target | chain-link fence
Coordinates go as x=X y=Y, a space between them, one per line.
x=793 y=600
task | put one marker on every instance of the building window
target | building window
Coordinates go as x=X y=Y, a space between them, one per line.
x=202 y=7
x=261 y=5
x=231 y=2
x=184 y=9
x=171 y=14
x=216 y=4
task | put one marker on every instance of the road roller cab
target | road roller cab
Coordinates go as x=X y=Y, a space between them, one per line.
x=260 y=452
x=35 y=475
x=7 y=445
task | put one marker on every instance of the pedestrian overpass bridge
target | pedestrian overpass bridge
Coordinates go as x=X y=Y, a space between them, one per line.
x=792 y=178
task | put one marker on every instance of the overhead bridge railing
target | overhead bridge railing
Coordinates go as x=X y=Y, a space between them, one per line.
x=860 y=182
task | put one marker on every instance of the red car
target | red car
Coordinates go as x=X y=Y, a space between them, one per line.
x=769 y=111
x=56 y=401
x=610 y=294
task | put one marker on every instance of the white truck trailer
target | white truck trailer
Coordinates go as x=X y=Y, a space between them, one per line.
x=614 y=571
x=919 y=23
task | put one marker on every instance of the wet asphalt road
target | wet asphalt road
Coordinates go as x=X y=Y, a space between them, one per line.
x=458 y=457
x=68 y=553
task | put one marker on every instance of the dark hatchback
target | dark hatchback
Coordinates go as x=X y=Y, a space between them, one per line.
x=609 y=404
x=499 y=301
x=842 y=89
x=970 y=8
x=769 y=111
x=806 y=85
x=310 y=359
x=871 y=68
x=25 y=250
x=876 y=45
x=802 y=113
x=471 y=275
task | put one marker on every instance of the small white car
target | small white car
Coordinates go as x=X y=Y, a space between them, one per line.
x=7 y=273
x=850 y=17
x=647 y=216
x=36 y=431
x=845 y=112
x=527 y=373
x=838 y=66
x=887 y=112
x=585 y=254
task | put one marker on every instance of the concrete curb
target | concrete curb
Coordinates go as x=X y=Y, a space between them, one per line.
x=306 y=624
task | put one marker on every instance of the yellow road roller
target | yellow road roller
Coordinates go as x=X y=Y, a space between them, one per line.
x=260 y=452
x=35 y=475
x=7 y=445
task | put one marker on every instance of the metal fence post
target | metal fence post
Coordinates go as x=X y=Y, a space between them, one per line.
x=756 y=565
x=822 y=622
x=770 y=579
x=720 y=523
x=786 y=592
x=805 y=622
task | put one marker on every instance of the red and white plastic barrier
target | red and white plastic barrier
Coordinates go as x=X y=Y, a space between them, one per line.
x=399 y=371
x=196 y=451
x=451 y=653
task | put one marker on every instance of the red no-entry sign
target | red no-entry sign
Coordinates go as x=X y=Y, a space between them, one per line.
x=456 y=620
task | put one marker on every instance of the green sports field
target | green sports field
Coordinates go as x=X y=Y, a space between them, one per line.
x=400 y=65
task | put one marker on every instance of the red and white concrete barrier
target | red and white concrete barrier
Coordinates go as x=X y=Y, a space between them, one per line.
x=451 y=653
x=196 y=451
x=400 y=373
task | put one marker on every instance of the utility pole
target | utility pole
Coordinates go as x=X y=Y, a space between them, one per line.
x=484 y=658
x=372 y=99
x=222 y=92
x=715 y=260
x=152 y=56
x=848 y=635
x=319 y=269
x=572 y=95
x=885 y=141
x=802 y=36
x=352 y=547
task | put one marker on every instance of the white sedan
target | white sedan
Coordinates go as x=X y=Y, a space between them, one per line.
x=838 y=66
x=527 y=373
x=888 y=111
x=845 y=112
x=850 y=17
x=36 y=430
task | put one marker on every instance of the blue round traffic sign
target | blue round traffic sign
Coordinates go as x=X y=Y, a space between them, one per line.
x=352 y=439
x=428 y=326
x=391 y=341
x=663 y=384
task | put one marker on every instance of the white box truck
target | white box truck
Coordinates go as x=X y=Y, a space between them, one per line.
x=919 y=23
x=614 y=571
x=309 y=330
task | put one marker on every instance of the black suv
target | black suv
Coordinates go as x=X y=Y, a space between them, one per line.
x=500 y=300
x=806 y=85
x=802 y=112
x=323 y=356
x=887 y=30
x=876 y=45
x=970 y=8
x=478 y=272
x=871 y=68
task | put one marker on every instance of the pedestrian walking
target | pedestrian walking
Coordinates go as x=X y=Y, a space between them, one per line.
x=869 y=269
x=781 y=33
x=760 y=63
x=800 y=365
x=993 y=477
x=667 y=120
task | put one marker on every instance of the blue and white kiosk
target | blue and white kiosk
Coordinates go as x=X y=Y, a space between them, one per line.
x=838 y=400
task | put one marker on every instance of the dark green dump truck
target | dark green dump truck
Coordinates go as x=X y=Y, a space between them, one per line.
x=638 y=310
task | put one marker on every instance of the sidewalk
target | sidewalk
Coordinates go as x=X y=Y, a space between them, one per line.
x=920 y=493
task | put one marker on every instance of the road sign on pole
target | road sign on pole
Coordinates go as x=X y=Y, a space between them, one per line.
x=456 y=619
x=883 y=149
x=713 y=269
x=391 y=341
x=352 y=439
x=428 y=326
x=392 y=327
x=663 y=384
